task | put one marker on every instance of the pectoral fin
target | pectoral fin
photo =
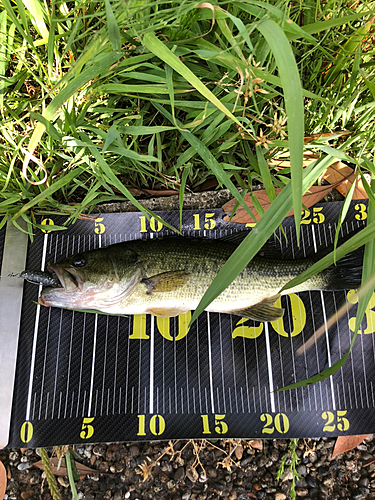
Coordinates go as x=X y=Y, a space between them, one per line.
x=165 y=282
x=263 y=311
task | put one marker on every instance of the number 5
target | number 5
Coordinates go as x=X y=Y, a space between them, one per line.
x=87 y=429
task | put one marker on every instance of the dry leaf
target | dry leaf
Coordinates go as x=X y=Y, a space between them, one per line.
x=284 y=161
x=339 y=171
x=3 y=480
x=257 y=444
x=347 y=443
x=315 y=194
x=54 y=462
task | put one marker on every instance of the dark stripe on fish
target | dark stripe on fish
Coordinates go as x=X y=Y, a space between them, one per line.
x=41 y=278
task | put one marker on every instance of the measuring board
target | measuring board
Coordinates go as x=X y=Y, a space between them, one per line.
x=83 y=377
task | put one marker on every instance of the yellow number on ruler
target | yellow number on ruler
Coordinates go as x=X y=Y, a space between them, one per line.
x=47 y=222
x=139 y=328
x=156 y=425
x=99 y=228
x=87 y=429
x=369 y=312
x=248 y=332
x=298 y=317
x=209 y=223
x=362 y=211
x=305 y=216
x=221 y=427
x=163 y=325
x=155 y=224
x=26 y=432
x=317 y=216
x=335 y=418
x=280 y=423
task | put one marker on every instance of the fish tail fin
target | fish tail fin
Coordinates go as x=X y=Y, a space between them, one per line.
x=347 y=272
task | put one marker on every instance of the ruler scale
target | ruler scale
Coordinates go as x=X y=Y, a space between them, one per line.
x=97 y=378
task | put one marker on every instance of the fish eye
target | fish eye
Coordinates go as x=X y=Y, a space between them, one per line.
x=78 y=261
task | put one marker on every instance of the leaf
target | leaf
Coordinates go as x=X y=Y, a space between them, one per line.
x=339 y=171
x=113 y=29
x=315 y=194
x=292 y=90
x=284 y=161
x=3 y=480
x=256 y=444
x=62 y=470
x=347 y=443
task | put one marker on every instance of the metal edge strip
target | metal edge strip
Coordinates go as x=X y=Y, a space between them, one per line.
x=11 y=292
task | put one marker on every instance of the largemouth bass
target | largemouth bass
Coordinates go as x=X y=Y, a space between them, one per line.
x=167 y=277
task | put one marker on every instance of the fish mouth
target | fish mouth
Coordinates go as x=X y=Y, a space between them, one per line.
x=69 y=291
x=68 y=277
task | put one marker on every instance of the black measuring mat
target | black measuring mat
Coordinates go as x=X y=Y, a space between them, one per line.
x=84 y=378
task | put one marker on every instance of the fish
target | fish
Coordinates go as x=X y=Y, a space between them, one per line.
x=166 y=277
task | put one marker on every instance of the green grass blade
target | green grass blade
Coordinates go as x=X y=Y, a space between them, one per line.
x=265 y=174
x=3 y=54
x=292 y=89
x=368 y=270
x=154 y=45
x=113 y=29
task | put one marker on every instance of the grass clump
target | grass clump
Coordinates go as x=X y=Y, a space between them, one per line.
x=98 y=98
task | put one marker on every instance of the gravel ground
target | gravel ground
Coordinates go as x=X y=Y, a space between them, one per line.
x=199 y=470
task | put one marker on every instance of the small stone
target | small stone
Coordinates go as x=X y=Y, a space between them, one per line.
x=13 y=455
x=179 y=474
x=313 y=457
x=238 y=452
x=362 y=447
x=192 y=474
x=171 y=484
x=310 y=481
x=287 y=476
x=323 y=470
x=23 y=466
x=363 y=482
x=99 y=450
x=360 y=493
x=186 y=495
x=280 y=496
x=64 y=481
x=25 y=495
x=134 y=451
x=262 y=460
x=301 y=470
x=301 y=483
x=302 y=492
